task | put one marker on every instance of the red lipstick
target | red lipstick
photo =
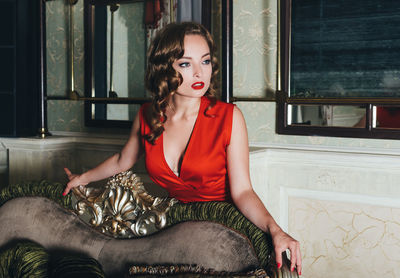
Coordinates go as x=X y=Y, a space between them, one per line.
x=198 y=85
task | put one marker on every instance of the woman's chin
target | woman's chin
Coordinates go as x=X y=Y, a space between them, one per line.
x=193 y=94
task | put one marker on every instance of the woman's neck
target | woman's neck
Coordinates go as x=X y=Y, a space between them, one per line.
x=183 y=107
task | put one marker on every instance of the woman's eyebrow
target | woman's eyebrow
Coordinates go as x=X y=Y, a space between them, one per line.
x=184 y=57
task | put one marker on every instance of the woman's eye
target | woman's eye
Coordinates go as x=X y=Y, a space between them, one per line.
x=184 y=65
x=207 y=62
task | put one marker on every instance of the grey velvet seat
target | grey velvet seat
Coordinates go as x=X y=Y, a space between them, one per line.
x=207 y=244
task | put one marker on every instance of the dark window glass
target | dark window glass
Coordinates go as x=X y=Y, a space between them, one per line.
x=344 y=48
x=7 y=118
x=7 y=20
x=7 y=71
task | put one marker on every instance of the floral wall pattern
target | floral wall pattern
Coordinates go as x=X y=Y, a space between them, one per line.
x=64 y=115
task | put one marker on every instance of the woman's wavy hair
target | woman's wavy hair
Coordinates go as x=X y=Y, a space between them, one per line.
x=162 y=80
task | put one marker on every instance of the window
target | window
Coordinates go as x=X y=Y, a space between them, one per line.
x=339 y=68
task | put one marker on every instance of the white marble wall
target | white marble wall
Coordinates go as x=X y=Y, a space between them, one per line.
x=342 y=204
x=30 y=159
x=37 y=159
x=340 y=236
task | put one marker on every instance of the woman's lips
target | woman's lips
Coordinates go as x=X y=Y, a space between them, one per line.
x=198 y=85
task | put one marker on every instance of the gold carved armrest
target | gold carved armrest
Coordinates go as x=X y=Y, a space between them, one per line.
x=123 y=208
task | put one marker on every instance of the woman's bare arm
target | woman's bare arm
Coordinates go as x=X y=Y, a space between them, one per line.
x=117 y=163
x=247 y=200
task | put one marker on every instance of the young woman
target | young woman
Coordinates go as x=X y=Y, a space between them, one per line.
x=195 y=146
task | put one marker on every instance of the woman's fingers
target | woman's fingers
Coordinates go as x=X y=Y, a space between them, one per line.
x=66 y=190
x=69 y=175
x=68 y=172
x=295 y=256
x=278 y=255
x=298 y=263
x=283 y=242
x=73 y=181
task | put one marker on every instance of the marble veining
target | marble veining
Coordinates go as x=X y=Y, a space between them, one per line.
x=343 y=239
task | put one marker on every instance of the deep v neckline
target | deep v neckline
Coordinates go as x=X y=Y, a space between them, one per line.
x=179 y=176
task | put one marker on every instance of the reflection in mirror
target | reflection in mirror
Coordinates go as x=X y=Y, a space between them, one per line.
x=119 y=51
x=326 y=115
x=386 y=116
x=115 y=112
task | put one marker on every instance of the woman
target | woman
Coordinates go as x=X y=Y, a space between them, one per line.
x=195 y=146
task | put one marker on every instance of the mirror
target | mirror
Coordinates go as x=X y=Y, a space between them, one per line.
x=117 y=35
x=383 y=117
x=115 y=50
x=326 y=115
x=339 y=68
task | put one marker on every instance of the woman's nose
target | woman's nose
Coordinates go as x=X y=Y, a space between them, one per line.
x=197 y=71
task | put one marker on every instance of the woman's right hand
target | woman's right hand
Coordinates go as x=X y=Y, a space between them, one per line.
x=74 y=181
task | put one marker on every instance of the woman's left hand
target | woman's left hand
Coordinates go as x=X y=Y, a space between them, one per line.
x=282 y=241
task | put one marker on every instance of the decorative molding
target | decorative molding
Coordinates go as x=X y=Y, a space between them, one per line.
x=63 y=143
x=326 y=148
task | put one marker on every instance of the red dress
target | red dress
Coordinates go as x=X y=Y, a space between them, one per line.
x=203 y=175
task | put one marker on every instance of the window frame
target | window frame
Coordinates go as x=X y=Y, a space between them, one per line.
x=283 y=100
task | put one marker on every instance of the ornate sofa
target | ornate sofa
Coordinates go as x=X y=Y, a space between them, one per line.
x=122 y=231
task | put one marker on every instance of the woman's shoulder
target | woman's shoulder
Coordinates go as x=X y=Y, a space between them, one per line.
x=220 y=110
x=219 y=104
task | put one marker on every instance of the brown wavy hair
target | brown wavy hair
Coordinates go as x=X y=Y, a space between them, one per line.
x=162 y=80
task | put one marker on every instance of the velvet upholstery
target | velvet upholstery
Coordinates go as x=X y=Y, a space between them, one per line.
x=228 y=215
x=207 y=244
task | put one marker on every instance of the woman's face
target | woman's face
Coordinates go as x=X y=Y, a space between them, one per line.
x=195 y=67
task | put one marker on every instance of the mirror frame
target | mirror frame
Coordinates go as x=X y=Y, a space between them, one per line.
x=283 y=99
x=89 y=100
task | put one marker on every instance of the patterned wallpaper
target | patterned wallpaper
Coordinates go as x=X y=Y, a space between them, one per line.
x=64 y=115
x=254 y=47
x=254 y=71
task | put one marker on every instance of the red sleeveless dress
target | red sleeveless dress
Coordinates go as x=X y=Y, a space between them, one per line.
x=203 y=175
